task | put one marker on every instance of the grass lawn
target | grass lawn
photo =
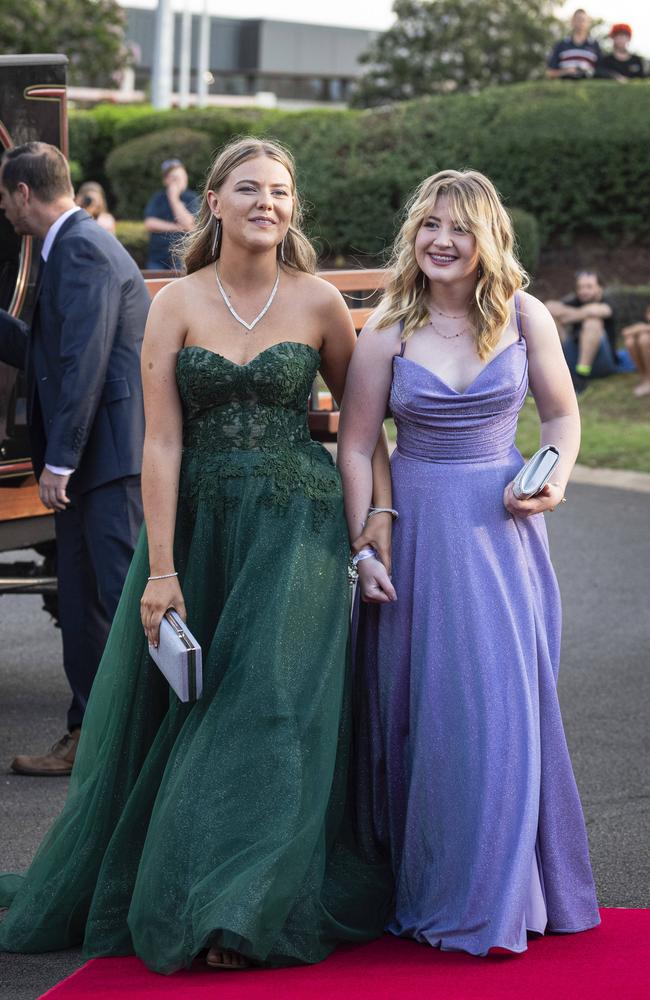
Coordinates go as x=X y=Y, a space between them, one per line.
x=615 y=426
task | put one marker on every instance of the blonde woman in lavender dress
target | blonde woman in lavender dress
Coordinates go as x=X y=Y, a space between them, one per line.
x=465 y=779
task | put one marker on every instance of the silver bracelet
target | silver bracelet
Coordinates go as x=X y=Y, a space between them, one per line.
x=384 y=510
x=163 y=576
x=366 y=553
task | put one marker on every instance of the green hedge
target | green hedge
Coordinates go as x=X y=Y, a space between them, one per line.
x=629 y=302
x=527 y=237
x=572 y=155
x=220 y=124
x=93 y=136
x=134 y=167
x=135 y=238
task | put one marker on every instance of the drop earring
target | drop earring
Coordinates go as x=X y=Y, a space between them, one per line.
x=282 y=249
x=479 y=273
x=217 y=234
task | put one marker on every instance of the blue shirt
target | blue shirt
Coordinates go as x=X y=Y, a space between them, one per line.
x=161 y=245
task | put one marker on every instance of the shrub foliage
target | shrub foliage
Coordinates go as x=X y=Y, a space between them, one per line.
x=135 y=238
x=572 y=156
x=134 y=167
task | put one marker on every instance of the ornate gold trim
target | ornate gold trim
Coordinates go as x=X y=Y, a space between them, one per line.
x=52 y=92
x=25 y=259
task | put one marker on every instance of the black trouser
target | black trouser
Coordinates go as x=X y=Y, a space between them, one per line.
x=95 y=537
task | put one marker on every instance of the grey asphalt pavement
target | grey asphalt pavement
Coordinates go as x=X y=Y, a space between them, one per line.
x=600 y=542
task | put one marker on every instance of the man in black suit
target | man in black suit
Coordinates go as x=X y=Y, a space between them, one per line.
x=85 y=411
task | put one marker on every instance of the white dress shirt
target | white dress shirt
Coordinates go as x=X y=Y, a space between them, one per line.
x=50 y=237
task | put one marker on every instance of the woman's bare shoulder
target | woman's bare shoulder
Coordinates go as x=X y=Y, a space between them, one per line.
x=536 y=320
x=319 y=290
x=381 y=340
x=182 y=294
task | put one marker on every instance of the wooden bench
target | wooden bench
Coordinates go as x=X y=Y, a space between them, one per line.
x=358 y=287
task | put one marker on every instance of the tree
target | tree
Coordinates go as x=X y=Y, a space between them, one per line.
x=436 y=46
x=89 y=32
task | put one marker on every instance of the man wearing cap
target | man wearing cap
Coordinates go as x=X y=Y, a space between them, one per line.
x=169 y=213
x=575 y=57
x=621 y=64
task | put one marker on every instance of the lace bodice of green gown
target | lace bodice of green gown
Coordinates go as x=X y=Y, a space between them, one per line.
x=251 y=420
x=225 y=821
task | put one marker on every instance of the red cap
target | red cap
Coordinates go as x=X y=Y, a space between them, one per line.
x=620 y=29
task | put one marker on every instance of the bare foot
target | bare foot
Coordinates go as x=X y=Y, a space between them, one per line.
x=220 y=958
x=642 y=389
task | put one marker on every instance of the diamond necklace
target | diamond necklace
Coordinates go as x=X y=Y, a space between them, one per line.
x=235 y=314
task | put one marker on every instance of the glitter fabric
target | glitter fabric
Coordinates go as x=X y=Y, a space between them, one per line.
x=464 y=774
x=224 y=821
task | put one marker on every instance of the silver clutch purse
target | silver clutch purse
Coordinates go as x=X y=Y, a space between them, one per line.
x=178 y=657
x=534 y=475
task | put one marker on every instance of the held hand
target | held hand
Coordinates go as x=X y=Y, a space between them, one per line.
x=158 y=597
x=52 y=490
x=375 y=584
x=549 y=498
x=377 y=534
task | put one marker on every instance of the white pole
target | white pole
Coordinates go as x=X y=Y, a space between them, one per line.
x=204 y=58
x=163 y=56
x=186 y=55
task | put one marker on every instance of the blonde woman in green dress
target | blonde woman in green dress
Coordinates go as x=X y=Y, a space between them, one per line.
x=222 y=825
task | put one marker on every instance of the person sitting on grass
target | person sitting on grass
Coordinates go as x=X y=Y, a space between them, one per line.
x=587 y=328
x=637 y=342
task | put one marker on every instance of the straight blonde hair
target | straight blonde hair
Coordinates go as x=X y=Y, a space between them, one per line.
x=475 y=206
x=198 y=248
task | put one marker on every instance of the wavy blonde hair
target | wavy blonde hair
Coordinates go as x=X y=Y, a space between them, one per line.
x=475 y=206
x=196 y=249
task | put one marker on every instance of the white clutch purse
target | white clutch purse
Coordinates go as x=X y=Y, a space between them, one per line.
x=178 y=657
x=534 y=475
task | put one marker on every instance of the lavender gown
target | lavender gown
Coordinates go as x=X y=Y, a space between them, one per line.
x=464 y=773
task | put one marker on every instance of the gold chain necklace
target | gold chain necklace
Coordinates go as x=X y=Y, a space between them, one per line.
x=447 y=316
x=447 y=336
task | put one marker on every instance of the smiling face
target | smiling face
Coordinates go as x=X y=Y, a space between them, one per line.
x=443 y=249
x=254 y=204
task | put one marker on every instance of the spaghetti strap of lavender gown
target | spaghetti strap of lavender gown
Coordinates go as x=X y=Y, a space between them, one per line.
x=464 y=777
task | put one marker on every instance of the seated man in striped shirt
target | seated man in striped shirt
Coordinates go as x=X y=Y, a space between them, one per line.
x=575 y=57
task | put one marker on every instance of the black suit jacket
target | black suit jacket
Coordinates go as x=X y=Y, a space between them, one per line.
x=82 y=357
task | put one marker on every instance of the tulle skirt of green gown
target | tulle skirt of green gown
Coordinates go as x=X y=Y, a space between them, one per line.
x=224 y=821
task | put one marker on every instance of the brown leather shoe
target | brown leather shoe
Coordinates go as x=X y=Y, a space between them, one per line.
x=56 y=762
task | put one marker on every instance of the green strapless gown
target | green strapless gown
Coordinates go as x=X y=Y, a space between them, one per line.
x=225 y=821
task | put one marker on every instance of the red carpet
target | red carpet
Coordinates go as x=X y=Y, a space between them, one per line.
x=611 y=962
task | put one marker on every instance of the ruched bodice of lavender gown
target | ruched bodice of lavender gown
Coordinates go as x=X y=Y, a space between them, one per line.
x=437 y=424
x=464 y=777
